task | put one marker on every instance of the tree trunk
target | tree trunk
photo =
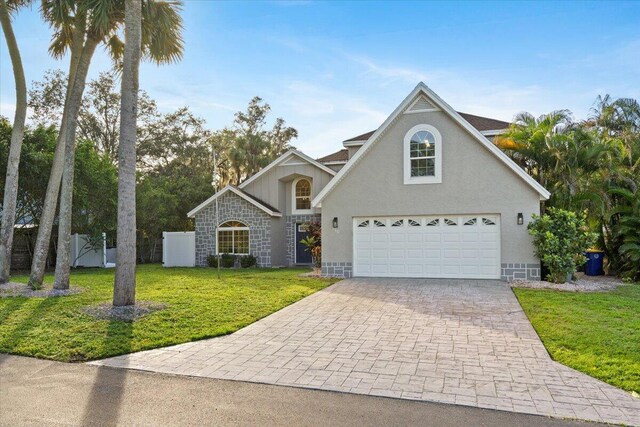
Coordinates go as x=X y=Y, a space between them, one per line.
x=17 y=134
x=124 y=289
x=63 y=266
x=73 y=102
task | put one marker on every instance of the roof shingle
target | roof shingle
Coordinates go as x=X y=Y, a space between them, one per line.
x=481 y=123
x=338 y=156
x=251 y=196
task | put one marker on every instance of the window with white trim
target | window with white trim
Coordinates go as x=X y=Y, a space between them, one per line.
x=422 y=155
x=233 y=238
x=301 y=196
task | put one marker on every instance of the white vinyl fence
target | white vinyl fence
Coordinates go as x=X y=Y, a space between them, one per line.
x=179 y=249
x=87 y=253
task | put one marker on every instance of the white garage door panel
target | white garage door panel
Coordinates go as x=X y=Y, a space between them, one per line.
x=449 y=246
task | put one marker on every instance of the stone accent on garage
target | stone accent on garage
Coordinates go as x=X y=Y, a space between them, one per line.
x=233 y=207
x=291 y=221
x=511 y=271
x=337 y=269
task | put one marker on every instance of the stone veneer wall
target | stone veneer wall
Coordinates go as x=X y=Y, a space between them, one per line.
x=290 y=225
x=509 y=271
x=520 y=271
x=233 y=207
x=337 y=269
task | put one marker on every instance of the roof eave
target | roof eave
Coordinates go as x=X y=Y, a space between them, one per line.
x=234 y=190
x=281 y=159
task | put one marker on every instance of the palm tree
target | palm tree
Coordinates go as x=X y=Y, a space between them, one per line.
x=17 y=134
x=124 y=290
x=80 y=27
x=163 y=44
x=532 y=141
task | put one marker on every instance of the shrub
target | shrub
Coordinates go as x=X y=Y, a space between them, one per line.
x=560 y=238
x=314 y=247
x=247 y=261
x=212 y=261
x=227 y=260
x=626 y=231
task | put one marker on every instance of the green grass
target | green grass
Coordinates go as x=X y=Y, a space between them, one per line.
x=596 y=333
x=199 y=306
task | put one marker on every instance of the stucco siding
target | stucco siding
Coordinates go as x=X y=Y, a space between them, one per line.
x=267 y=187
x=335 y=167
x=474 y=181
x=278 y=242
x=353 y=150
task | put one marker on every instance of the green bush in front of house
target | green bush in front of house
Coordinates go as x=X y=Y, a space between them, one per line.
x=212 y=261
x=227 y=260
x=560 y=237
x=248 y=261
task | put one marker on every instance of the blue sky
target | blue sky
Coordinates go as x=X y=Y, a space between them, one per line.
x=334 y=70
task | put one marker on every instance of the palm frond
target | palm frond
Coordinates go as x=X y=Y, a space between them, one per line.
x=104 y=15
x=61 y=41
x=162 y=26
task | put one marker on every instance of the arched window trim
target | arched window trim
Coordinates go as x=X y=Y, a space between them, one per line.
x=437 y=178
x=223 y=226
x=294 y=197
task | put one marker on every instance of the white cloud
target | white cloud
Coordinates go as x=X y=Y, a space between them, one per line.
x=388 y=72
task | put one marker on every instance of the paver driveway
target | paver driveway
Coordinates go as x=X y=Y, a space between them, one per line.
x=453 y=341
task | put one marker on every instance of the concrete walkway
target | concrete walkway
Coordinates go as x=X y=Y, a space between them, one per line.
x=43 y=393
x=451 y=341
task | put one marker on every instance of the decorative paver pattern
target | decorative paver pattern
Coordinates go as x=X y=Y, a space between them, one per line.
x=452 y=341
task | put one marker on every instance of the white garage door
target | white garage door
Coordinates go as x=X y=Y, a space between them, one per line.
x=449 y=246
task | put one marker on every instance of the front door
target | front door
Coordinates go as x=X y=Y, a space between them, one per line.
x=303 y=256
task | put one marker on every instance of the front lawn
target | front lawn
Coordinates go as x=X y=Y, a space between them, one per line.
x=199 y=306
x=596 y=333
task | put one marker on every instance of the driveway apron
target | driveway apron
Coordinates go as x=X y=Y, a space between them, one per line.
x=464 y=342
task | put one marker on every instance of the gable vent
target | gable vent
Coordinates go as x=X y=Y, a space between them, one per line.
x=422 y=104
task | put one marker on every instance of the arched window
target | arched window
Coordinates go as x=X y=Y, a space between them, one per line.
x=422 y=155
x=233 y=238
x=301 y=195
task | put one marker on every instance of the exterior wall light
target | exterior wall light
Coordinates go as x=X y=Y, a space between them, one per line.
x=335 y=222
x=520 y=218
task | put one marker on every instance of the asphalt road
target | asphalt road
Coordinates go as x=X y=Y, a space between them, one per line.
x=43 y=393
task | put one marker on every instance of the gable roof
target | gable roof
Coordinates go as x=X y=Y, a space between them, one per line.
x=361 y=138
x=483 y=124
x=422 y=88
x=338 y=156
x=284 y=158
x=243 y=194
